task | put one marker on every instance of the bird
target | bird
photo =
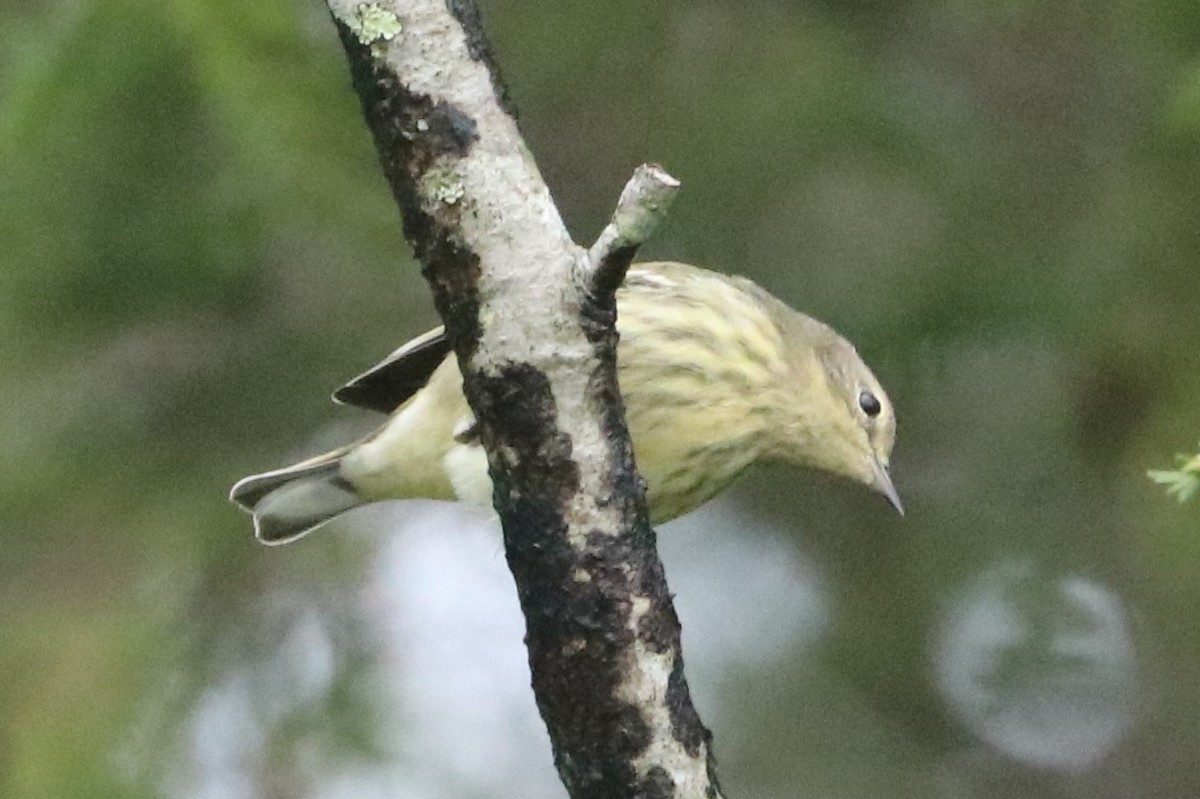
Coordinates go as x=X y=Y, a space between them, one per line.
x=715 y=372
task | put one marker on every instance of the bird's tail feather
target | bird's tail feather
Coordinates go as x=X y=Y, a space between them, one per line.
x=291 y=502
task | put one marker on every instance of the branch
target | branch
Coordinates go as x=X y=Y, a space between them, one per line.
x=643 y=204
x=531 y=317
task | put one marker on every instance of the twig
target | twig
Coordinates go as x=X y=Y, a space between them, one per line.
x=643 y=204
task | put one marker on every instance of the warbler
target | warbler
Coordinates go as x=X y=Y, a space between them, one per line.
x=715 y=372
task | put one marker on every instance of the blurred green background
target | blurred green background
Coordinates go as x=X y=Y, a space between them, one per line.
x=1000 y=204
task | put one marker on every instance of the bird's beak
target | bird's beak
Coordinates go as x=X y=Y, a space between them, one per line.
x=883 y=484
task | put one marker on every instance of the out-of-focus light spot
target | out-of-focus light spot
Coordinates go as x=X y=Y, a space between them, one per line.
x=454 y=662
x=745 y=596
x=1042 y=668
x=229 y=730
x=225 y=738
x=445 y=602
x=451 y=681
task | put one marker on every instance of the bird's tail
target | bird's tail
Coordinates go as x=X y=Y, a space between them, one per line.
x=291 y=502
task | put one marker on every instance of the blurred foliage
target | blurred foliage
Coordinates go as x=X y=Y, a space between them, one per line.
x=997 y=203
x=1182 y=483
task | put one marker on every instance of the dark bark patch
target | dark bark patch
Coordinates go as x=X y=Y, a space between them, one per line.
x=451 y=129
x=535 y=474
x=575 y=602
x=411 y=133
x=657 y=784
x=686 y=726
x=611 y=273
x=453 y=273
x=605 y=396
x=410 y=128
x=467 y=14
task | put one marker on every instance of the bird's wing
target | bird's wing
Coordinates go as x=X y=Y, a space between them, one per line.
x=385 y=386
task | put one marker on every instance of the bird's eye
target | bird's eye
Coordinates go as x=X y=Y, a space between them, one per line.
x=869 y=404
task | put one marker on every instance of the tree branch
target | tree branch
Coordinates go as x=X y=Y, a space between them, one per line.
x=643 y=204
x=531 y=317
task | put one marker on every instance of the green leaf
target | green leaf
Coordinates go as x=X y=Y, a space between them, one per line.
x=1182 y=483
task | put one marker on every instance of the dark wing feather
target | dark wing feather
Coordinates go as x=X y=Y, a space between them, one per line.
x=385 y=386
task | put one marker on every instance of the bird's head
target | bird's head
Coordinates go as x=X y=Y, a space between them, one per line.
x=843 y=421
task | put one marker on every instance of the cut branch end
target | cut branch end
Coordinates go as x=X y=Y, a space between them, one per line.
x=643 y=205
